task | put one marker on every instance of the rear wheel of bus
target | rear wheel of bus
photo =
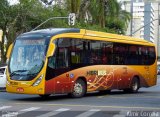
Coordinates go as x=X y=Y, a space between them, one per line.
x=79 y=89
x=134 y=87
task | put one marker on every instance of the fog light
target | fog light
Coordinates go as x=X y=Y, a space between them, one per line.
x=40 y=90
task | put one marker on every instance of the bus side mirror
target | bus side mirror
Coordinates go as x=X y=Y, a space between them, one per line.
x=51 y=50
x=9 y=51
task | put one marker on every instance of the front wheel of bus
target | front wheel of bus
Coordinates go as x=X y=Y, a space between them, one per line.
x=79 y=89
x=135 y=85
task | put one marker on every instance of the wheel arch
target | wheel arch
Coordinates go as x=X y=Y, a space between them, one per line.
x=79 y=77
x=82 y=78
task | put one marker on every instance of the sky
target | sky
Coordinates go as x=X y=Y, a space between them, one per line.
x=13 y=2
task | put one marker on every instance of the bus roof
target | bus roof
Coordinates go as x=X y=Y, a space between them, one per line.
x=56 y=31
x=121 y=38
x=52 y=31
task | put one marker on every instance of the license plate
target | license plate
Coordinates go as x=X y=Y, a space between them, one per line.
x=20 y=89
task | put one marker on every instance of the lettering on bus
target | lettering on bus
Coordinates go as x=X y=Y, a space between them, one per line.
x=97 y=72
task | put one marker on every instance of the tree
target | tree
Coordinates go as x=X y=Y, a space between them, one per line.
x=7 y=20
x=103 y=15
x=23 y=17
x=117 y=19
x=47 y=2
x=108 y=13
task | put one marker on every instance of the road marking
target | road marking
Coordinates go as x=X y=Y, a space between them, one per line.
x=124 y=97
x=54 y=112
x=123 y=113
x=29 y=109
x=63 y=109
x=5 y=107
x=76 y=105
x=88 y=113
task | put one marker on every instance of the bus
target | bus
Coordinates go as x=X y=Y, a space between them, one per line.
x=76 y=61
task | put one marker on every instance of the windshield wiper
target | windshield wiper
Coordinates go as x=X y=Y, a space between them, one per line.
x=15 y=72
x=32 y=74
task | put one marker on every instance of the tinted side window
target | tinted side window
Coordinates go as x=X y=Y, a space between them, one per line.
x=119 y=53
x=107 y=52
x=151 y=55
x=78 y=53
x=96 y=52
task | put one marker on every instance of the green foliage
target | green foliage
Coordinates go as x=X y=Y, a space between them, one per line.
x=103 y=15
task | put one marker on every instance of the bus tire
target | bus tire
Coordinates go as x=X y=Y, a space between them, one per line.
x=135 y=85
x=44 y=95
x=79 y=89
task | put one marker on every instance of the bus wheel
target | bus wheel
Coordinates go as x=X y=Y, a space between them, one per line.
x=135 y=85
x=79 y=89
x=45 y=95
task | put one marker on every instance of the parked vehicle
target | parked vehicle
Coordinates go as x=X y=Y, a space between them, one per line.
x=3 y=77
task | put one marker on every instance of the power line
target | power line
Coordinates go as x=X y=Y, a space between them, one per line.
x=143 y=26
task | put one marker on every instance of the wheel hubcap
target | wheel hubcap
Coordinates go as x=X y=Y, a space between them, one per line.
x=135 y=86
x=78 y=89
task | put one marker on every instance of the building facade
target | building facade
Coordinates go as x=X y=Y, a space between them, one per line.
x=144 y=23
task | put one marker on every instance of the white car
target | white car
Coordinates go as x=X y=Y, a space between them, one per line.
x=3 y=77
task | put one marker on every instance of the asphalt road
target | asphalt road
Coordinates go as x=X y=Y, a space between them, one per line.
x=146 y=103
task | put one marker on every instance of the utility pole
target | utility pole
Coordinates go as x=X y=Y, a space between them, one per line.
x=48 y=20
x=71 y=20
x=131 y=29
x=158 y=41
x=144 y=26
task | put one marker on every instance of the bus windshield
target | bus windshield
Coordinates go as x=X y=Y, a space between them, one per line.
x=27 y=58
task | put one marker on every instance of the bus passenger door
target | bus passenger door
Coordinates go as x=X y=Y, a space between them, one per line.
x=62 y=81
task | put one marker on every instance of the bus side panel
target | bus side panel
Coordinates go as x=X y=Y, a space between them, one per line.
x=98 y=77
x=50 y=86
x=59 y=84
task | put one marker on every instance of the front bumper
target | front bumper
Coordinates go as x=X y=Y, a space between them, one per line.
x=25 y=90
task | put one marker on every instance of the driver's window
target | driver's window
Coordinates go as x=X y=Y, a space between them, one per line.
x=51 y=62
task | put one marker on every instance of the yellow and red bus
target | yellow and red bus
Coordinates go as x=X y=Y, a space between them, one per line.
x=77 y=61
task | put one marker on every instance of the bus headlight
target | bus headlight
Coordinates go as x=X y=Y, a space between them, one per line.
x=38 y=81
